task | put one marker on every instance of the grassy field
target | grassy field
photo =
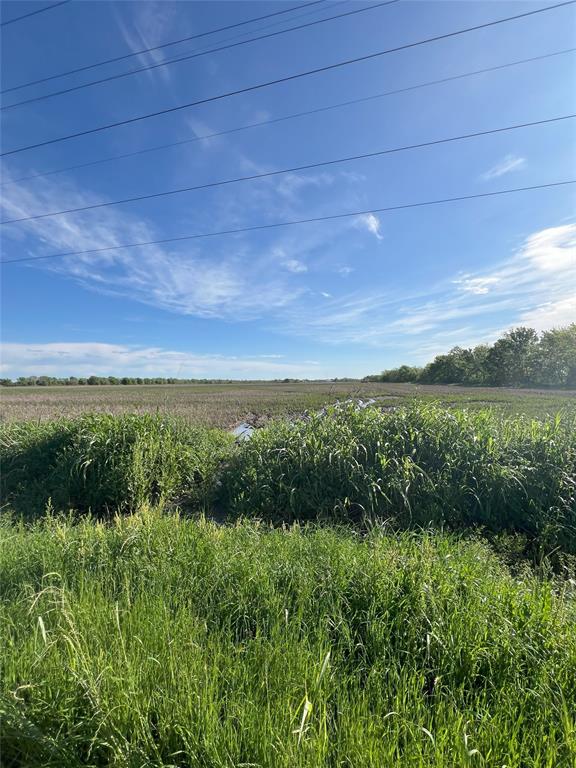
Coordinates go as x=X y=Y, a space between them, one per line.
x=392 y=587
x=225 y=405
x=165 y=642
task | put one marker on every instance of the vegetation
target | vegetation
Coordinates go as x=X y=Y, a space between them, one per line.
x=91 y=381
x=225 y=405
x=165 y=642
x=416 y=466
x=132 y=635
x=104 y=463
x=412 y=466
x=519 y=359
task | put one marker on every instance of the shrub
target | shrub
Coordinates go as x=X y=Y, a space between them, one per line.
x=417 y=465
x=104 y=463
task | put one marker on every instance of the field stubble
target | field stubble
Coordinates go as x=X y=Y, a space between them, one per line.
x=225 y=405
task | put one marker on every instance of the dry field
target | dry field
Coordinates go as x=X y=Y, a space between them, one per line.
x=225 y=405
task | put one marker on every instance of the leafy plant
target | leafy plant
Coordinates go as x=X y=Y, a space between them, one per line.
x=105 y=464
x=415 y=466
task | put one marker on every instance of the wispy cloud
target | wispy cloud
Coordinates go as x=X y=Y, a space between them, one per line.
x=292 y=184
x=536 y=285
x=552 y=314
x=88 y=358
x=477 y=285
x=150 y=24
x=506 y=165
x=553 y=249
x=277 y=279
x=294 y=265
x=187 y=280
x=371 y=223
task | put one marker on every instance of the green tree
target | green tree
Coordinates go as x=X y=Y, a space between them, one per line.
x=556 y=365
x=513 y=359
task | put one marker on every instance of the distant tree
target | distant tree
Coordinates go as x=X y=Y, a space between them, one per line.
x=453 y=368
x=519 y=358
x=513 y=359
x=556 y=361
x=401 y=375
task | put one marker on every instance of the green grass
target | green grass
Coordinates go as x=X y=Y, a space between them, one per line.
x=156 y=641
x=104 y=464
x=415 y=466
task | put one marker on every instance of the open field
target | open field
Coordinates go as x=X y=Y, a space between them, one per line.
x=225 y=405
x=404 y=594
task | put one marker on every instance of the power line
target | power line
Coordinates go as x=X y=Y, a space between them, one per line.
x=275 y=225
x=195 y=55
x=33 y=13
x=288 y=78
x=294 y=169
x=290 y=117
x=158 y=47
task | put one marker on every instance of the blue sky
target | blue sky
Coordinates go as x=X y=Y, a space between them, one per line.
x=338 y=298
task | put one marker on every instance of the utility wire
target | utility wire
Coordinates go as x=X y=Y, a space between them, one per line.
x=288 y=78
x=194 y=55
x=293 y=116
x=156 y=47
x=33 y=13
x=275 y=225
x=294 y=169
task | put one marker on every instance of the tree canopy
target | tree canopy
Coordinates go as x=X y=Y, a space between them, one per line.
x=520 y=358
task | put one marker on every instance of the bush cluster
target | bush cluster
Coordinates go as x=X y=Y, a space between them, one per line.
x=417 y=466
x=106 y=464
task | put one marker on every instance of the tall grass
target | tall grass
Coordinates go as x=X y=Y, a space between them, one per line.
x=415 y=466
x=103 y=463
x=163 y=642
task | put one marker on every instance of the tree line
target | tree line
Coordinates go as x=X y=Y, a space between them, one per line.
x=74 y=381
x=520 y=358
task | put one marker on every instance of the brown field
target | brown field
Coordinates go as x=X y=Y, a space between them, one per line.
x=225 y=405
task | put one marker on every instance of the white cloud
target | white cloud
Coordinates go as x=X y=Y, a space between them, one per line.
x=506 y=165
x=476 y=285
x=552 y=249
x=553 y=314
x=292 y=184
x=370 y=222
x=294 y=265
x=150 y=24
x=535 y=286
x=89 y=358
x=232 y=279
x=203 y=132
x=186 y=279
